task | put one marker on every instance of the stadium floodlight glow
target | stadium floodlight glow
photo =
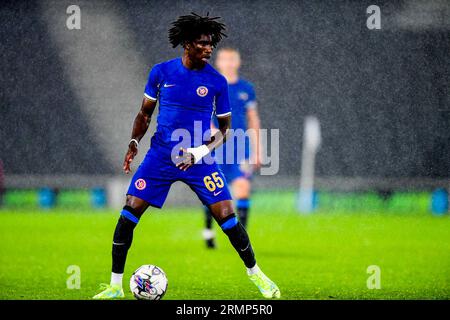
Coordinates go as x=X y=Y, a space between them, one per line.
x=311 y=142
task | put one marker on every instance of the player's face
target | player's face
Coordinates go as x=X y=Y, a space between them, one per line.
x=201 y=49
x=228 y=62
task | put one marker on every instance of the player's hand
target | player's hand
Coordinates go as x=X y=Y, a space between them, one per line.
x=186 y=160
x=131 y=153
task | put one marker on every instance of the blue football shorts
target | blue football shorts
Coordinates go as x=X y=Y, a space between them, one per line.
x=234 y=171
x=157 y=172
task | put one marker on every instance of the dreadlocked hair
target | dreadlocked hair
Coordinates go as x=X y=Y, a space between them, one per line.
x=190 y=27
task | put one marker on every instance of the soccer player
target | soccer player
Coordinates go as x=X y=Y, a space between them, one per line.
x=188 y=90
x=245 y=114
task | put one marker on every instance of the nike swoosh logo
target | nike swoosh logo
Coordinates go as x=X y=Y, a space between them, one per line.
x=217 y=193
x=168 y=85
x=242 y=250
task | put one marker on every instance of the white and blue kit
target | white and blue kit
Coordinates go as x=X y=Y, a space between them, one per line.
x=187 y=100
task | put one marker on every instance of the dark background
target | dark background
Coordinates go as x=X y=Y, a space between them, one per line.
x=382 y=96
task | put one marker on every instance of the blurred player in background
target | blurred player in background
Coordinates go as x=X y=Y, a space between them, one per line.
x=245 y=116
x=188 y=90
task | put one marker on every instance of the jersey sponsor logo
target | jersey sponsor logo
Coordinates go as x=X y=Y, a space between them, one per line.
x=217 y=193
x=202 y=91
x=140 y=184
x=168 y=85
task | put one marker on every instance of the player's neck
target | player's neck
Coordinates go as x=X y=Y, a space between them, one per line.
x=231 y=78
x=191 y=64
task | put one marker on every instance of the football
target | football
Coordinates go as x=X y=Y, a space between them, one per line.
x=148 y=282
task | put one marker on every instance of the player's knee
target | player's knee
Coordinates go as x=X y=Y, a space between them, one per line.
x=228 y=222
x=130 y=214
x=138 y=206
x=222 y=210
x=241 y=188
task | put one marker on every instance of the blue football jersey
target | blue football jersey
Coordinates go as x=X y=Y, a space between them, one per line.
x=187 y=100
x=242 y=97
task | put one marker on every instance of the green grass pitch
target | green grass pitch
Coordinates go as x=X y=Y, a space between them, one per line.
x=321 y=256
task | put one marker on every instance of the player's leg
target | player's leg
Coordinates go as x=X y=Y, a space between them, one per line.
x=123 y=235
x=233 y=228
x=208 y=232
x=122 y=239
x=241 y=191
x=149 y=186
x=209 y=183
x=223 y=213
x=230 y=172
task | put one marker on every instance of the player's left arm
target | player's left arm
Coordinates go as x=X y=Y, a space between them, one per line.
x=220 y=136
x=190 y=155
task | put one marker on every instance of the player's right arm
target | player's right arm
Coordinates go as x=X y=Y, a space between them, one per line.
x=140 y=126
x=142 y=120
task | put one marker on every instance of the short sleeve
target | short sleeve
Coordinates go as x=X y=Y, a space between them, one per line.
x=223 y=107
x=251 y=101
x=152 y=87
